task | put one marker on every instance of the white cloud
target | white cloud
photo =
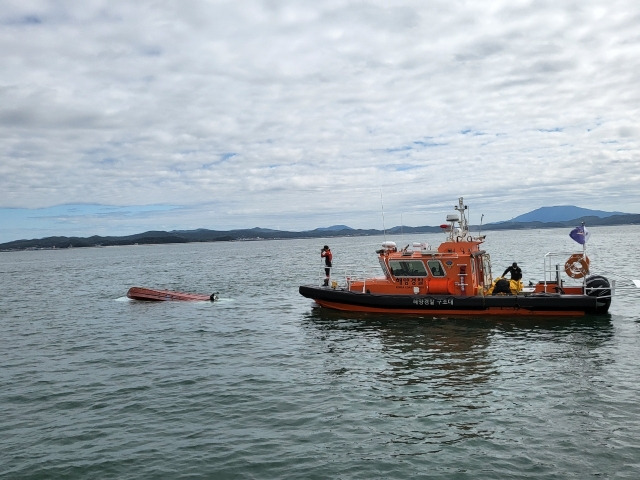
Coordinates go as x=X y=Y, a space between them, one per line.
x=298 y=114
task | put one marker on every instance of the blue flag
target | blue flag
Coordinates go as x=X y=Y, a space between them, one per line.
x=580 y=234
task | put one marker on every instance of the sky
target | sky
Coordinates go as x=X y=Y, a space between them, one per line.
x=118 y=117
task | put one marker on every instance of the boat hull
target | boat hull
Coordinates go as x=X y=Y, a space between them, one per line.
x=155 y=295
x=543 y=304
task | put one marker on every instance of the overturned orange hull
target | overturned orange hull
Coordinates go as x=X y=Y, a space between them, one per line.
x=155 y=295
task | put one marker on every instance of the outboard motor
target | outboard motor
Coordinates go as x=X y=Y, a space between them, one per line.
x=599 y=286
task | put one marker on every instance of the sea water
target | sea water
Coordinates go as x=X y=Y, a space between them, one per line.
x=262 y=384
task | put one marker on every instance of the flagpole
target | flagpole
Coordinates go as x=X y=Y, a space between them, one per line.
x=581 y=235
x=584 y=253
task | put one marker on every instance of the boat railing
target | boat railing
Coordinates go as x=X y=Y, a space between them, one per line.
x=345 y=275
x=555 y=274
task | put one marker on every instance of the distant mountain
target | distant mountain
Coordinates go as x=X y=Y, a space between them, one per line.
x=561 y=213
x=333 y=228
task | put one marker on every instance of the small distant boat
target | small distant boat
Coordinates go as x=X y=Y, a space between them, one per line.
x=455 y=279
x=155 y=295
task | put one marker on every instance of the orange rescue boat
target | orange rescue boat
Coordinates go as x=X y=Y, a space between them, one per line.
x=455 y=279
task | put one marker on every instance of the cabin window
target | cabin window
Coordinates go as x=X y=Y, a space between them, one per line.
x=385 y=270
x=407 y=268
x=486 y=269
x=435 y=267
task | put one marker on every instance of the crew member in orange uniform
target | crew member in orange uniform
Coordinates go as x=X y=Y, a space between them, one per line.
x=328 y=256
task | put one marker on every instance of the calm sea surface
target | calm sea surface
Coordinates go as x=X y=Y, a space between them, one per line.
x=264 y=385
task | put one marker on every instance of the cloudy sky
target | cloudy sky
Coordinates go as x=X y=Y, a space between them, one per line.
x=118 y=117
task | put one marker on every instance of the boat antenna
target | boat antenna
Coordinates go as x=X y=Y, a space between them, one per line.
x=464 y=226
x=384 y=230
x=481 y=218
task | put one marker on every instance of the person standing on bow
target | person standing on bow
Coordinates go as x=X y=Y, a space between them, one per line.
x=328 y=257
x=515 y=271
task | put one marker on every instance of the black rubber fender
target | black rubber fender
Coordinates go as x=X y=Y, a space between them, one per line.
x=599 y=286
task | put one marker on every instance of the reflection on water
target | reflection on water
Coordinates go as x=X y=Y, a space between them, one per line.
x=451 y=353
x=442 y=381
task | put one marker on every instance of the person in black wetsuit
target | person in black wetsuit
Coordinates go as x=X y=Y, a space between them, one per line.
x=514 y=270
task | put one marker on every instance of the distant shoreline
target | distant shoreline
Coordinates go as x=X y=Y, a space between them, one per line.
x=258 y=234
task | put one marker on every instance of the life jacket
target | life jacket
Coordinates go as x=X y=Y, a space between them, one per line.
x=506 y=287
x=328 y=256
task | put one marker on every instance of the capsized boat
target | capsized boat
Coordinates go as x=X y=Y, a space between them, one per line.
x=155 y=295
x=455 y=279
